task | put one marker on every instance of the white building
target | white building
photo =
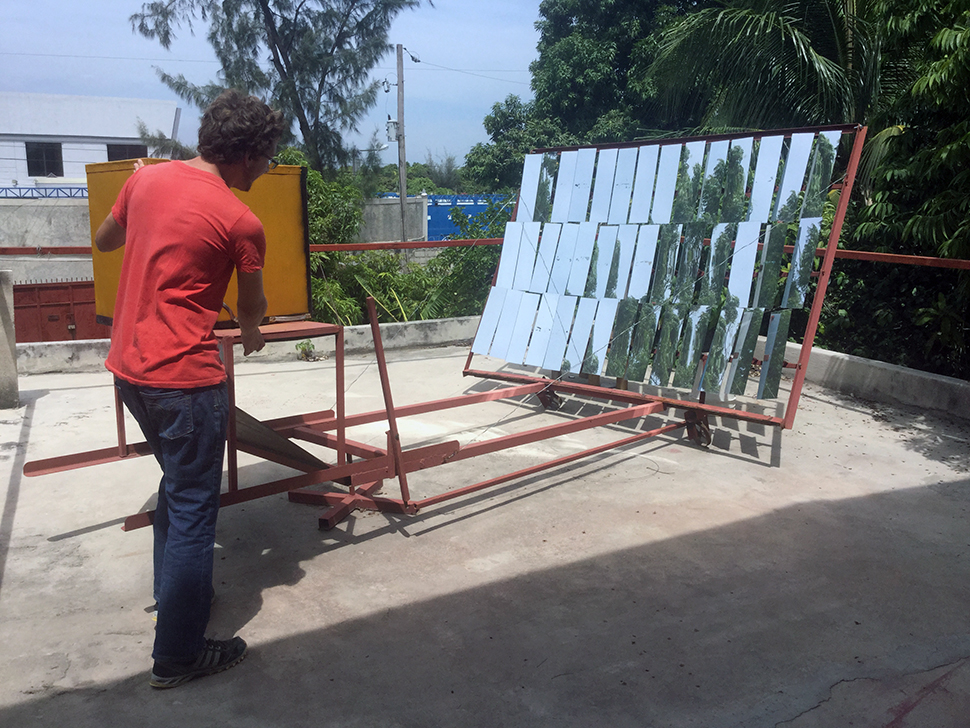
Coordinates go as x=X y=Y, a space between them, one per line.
x=47 y=139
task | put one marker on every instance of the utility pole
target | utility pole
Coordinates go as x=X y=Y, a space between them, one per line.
x=402 y=165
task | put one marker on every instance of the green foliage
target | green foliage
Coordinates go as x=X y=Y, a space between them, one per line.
x=334 y=207
x=312 y=59
x=514 y=128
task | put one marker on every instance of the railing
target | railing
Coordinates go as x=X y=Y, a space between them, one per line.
x=37 y=193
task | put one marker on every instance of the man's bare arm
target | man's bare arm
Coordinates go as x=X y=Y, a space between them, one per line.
x=110 y=235
x=250 y=309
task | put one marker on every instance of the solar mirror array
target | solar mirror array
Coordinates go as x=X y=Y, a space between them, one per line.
x=607 y=268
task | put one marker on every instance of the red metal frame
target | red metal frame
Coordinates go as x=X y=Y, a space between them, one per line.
x=364 y=477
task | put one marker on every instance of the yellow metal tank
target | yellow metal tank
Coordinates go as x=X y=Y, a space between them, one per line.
x=277 y=198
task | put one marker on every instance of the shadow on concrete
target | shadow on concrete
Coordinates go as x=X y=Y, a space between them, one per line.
x=749 y=624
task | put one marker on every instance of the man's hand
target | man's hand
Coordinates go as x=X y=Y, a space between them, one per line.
x=252 y=340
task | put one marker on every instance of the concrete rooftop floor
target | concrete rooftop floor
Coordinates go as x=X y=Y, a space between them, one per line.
x=812 y=577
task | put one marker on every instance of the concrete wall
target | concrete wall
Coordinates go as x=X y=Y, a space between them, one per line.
x=382 y=219
x=9 y=387
x=42 y=223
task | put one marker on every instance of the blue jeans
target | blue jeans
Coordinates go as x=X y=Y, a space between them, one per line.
x=186 y=429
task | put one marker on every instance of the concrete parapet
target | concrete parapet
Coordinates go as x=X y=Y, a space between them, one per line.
x=9 y=388
x=853 y=375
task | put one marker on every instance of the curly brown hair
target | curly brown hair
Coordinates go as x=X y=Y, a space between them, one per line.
x=235 y=125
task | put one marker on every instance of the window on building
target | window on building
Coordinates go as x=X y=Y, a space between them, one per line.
x=44 y=159
x=126 y=151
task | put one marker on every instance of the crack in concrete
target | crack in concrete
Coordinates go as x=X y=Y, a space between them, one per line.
x=902 y=709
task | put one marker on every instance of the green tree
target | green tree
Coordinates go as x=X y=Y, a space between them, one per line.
x=590 y=73
x=311 y=59
x=514 y=128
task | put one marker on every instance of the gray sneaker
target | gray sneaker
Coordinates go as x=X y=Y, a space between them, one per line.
x=217 y=656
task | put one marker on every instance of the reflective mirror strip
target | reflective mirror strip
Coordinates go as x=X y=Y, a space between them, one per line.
x=582 y=183
x=599 y=209
x=747 y=340
x=529 y=188
x=506 y=325
x=563 y=263
x=623 y=328
x=820 y=178
x=582 y=257
x=715 y=182
x=561 y=324
x=579 y=337
x=788 y=202
x=522 y=328
x=696 y=326
x=663 y=198
x=802 y=262
x=545 y=320
x=548 y=242
x=564 y=187
x=626 y=242
x=766 y=172
x=643 y=258
x=599 y=274
x=643 y=184
x=526 y=261
x=509 y=257
x=626 y=164
x=741 y=274
x=774 y=361
x=603 y=326
x=690 y=179
x=489 y=320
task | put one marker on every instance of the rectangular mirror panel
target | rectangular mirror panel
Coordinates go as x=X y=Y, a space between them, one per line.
x=626 y=164
x=722 y=346
x=688 y=267
x=690 y=179
x=582 y=183
x=789 y=201
x=563 y=262
x=734 y=203
x=642 y=341
x=606 y=252
x=530 y=188
x=671 y=324
x=562 y=322
x=582 y=257
x=626 y=242
x=802 y=261
x=692 y=342
x=664 y=264
x=715 y=182
x=744 y=348
x=522 y=328
x=505 y=277
x=766 y=172
x=619 y=353
x=774 y=354
x=643 y=258
x=526 y=262
x=820 y=179
x=600 y=338
x=769 y=276
x=546 y=188
x=715 y=267
x=506 y=325
x=643 y=184
x=578 y=345
x=743 y=260
x=545 y=317
x=548 y=242
x=489 y=320
x=667 y=175
x=599 y=209
x=564 y=187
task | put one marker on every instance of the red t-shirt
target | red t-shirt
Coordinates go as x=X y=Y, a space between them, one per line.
x=185 y=232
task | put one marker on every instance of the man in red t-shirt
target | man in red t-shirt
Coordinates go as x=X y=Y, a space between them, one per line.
x=184 y=233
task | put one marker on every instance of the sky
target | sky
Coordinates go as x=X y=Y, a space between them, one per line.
x=472 y=55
